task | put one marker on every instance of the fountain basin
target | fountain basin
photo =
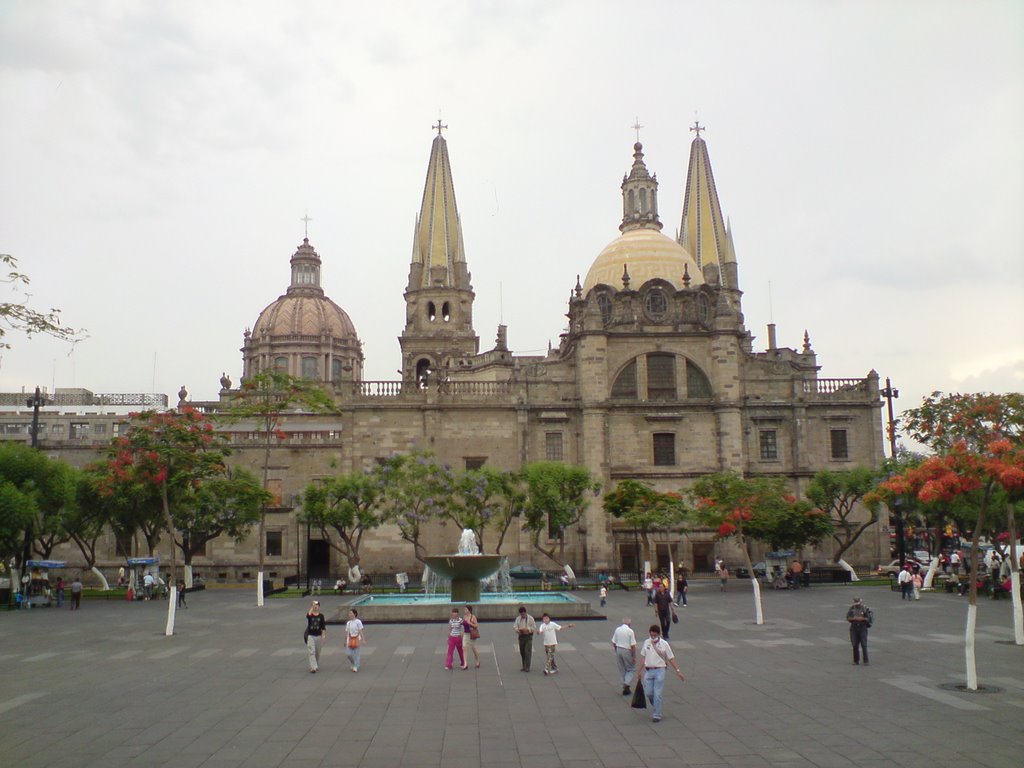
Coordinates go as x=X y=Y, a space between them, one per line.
x=421 y=608
x=465 y=572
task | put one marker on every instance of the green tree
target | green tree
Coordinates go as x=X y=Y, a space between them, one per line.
x=645 y=510
x=758 y=508
x=416 y=490
x=486 y=497
x=556 y=499
x=47 y=488
x=224 y=504
x=266 y=399
x=19 y=502
x=979 y=457
x=350 y=505
x=839 y=495
x=173 y=452
x=18 y=316
x=87 y=520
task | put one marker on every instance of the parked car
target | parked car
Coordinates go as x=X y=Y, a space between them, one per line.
x=760 y=568
x=525 y=572
x=922 y=556
x=894 y=566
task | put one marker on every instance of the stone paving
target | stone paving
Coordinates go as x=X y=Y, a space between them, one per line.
x=104 y=687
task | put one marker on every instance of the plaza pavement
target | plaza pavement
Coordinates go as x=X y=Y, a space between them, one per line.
x=104 y=687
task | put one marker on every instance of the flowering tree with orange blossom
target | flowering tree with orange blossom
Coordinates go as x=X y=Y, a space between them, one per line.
x=171 y=452
x=979 y=458
x=758 y=508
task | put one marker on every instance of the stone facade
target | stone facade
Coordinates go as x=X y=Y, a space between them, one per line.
x=654 y=380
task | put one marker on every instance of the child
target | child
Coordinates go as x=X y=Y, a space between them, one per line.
x=455 y=630
x=548 y=631
x=604 y=595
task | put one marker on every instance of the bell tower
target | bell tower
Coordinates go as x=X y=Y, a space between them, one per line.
x=439 y=297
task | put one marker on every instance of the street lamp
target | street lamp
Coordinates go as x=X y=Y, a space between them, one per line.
x=891 y=394
x=35 y=403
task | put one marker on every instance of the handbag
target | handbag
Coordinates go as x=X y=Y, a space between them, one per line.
x=639 y=699
x=675 y=617
x=474 y=634
x=353 y=641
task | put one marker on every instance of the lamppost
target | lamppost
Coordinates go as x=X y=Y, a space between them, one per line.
x=891 y=394
x=35 y=403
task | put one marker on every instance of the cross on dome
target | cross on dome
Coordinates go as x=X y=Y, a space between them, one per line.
x=697 y=128
x=439 y=127
x=305 y=220
x=636 y=127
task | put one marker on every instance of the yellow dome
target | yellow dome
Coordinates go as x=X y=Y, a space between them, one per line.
x=647 y=254
x=298 y=313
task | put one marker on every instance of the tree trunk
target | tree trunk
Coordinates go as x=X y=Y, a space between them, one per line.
x=758 y=608
x=99 y=575
x=172 y=588
x=972 y=605
x=847 y=567
x=1018 y=613
x=263 y=522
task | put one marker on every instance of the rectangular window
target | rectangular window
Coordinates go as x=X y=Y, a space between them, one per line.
x=57 y=429
x=275 y=490
x=840 y=448
x=625 y=383
x=664 y=449
x=475 y=462
x=769 y=443
x=275 y=543
x=553 y=446
x=661 y=377
x=99 y=429
x=79 y=429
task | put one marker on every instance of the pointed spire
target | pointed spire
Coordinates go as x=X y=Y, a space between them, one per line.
x=625 y=277
x=686 y=276
x=807 y=343
x=639 y=195
x=579 y=288
x=438 y=246
x=703 y=230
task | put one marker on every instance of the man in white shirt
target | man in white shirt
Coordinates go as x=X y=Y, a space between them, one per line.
x=657 y=655
x=905 y=580
x=649 y=588
x=624 y=645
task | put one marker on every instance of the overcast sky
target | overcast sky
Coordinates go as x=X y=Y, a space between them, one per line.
x=156 y=159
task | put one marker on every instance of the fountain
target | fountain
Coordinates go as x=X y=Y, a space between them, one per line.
x=466 y=571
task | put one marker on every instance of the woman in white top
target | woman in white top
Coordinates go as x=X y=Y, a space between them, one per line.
x=354 y=638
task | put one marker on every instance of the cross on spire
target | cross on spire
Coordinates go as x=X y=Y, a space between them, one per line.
x=636 y=127
x=305 y=220
x=439 y=127
x=697 y=127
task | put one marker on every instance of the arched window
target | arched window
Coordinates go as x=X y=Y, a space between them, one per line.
x=630 y=202
x=624 y=387
x=423 y=373
x=431 y=311
x=446 y=312
x=643 y=200
x=281 y=364
x=335 y=370
x=310 y=369
x=661 y=376
x=697 y=383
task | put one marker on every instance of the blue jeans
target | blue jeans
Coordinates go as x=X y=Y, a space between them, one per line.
x=654 y=683
x=353 y=657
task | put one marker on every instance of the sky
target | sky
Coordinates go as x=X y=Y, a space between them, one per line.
x=156 y=160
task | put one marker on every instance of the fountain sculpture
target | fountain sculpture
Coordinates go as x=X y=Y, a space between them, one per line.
x=466 y=568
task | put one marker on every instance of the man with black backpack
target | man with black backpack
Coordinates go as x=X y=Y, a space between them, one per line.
x=860 y=618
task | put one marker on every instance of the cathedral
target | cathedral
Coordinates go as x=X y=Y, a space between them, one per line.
x=654 y=379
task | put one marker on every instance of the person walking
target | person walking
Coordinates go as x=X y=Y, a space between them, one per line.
x=860 y=618
x=624 y=646
x=723 y=575
x=76 y=593
x=60 y=591
x=649 y=588
x=664 y=610
x=470 y=634
x=603 y=592
x=524 y=627
x=316 y=633
x=916 y=582
x=456 y=630
x=682 y=586
x=657 y=654
x=354 y=639
x=181 y=594
x=906 y=582
x=548 y=630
